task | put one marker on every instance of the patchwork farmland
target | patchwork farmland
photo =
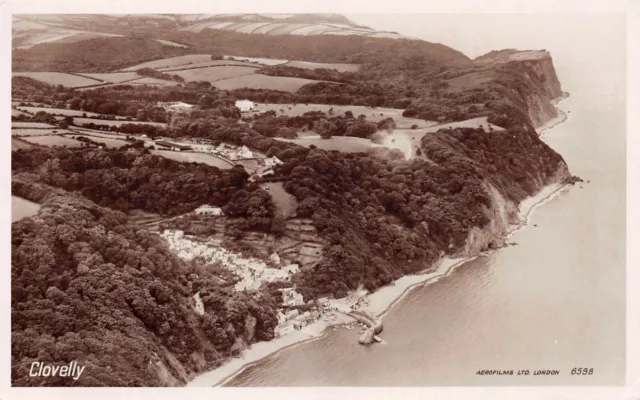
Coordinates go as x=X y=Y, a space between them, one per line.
x=274 y=28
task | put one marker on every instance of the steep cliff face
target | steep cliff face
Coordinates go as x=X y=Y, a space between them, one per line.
x=530 y=79
x=503 y=214
x=540 y=72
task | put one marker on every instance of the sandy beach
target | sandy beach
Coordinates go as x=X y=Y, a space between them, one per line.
x=381 y=301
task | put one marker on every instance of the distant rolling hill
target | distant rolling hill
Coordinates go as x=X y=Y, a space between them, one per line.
x=29 y=30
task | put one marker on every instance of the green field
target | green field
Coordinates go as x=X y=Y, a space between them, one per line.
x=259 y=81
x=59 y=78
x=372 y=114
x=38 y=132
x=19 y=144
x=203 y=158
x=59 y=111
x=213 y=74
x=171 y=62
x=210 y=63
x=22 y=208
x=114 y=77
x=54 y=141
x=258 y=60
x=408 y=140
x=154 y=81
x=17 y=113
x=285 y=202
x=346 y=144
x=110 y=122
x=111 y=143
x=312 y=65
x=102 y=134
x=169 y=43
x=31 y=125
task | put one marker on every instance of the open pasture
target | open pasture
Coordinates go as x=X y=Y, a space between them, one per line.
x=22 y=208
x=113 y=77
x=59 y=78
x=259 y=60
x=54 y=141
x=372 y=114
x=346 y=144
x=312 y=65
x=111 y=143
x=30 y=125
x=260 y=81
x=37 y=132
x=19 y=144
x=184 y=156
x=211 y=63
x=171 y=62
x=110 y=122
x=215 y=73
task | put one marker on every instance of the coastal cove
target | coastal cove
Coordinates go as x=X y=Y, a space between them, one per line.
x=381 y=301
x=273 y=363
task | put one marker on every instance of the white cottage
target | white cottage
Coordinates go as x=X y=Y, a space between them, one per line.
x=245 y=105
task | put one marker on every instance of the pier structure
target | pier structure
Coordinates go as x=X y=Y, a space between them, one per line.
x=374 y=326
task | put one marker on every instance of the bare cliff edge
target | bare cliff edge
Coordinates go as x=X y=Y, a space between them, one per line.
x=530 y=76
x=542 y=74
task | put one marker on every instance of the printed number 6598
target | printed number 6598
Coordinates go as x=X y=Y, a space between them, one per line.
x=582 y=371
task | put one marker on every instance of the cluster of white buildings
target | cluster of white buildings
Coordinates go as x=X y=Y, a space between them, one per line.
x=251 y=271
x=208 y=210
x=225 y=150
x=291 y=298
x=294 y=320
x=267 y=168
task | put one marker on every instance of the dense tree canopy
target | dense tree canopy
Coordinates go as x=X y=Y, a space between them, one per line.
x=116 y=300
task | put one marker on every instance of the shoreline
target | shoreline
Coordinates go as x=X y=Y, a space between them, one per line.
x=380 y=302
x=385 y=298
x=562 y=116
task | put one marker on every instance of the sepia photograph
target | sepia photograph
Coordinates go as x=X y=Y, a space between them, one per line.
x=317 y=199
